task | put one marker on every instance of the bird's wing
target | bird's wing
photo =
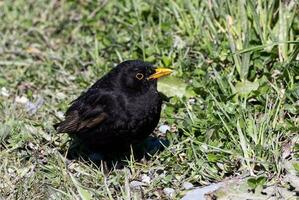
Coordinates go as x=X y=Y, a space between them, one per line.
x=86 y=112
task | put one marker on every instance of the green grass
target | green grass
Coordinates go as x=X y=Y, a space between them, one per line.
x=239 y=60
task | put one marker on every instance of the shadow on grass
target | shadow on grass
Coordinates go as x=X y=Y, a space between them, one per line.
x=119 y=158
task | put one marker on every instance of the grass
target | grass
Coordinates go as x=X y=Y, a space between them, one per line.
x=237 y=108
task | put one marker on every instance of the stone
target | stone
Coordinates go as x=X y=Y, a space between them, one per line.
x=164 y=128
x=169 y=192
x=187 y=185
x=136 y=184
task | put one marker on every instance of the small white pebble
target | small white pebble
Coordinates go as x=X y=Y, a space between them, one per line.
x=191 y=101
x=72 y=78
x=178 y=42
x=136 y=184
x=60 y=95
x=33 y=107
x=73 y=166
x=60 y=114
x=4 y=92
x=169 y=192
x=32 y=146
x=187 y=185
x=164 y=128
x=30 y=106
x=145 y=179
x=10 y=170
x=3 y=185
x=21 y=100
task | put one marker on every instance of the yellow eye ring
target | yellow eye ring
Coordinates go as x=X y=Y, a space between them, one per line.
x=139 y=76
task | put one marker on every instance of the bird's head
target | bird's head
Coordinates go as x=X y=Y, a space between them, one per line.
x=139 y=76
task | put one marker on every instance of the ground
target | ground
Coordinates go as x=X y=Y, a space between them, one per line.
x=231 y=103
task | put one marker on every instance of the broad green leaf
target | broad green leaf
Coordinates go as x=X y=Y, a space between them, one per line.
x=172 y=86
x=261 y=180
x=245 y=87
x=252 y=183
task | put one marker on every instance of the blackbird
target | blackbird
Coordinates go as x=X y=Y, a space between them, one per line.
x=120 y=109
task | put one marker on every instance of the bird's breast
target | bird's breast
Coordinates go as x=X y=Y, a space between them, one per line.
x=141 y=109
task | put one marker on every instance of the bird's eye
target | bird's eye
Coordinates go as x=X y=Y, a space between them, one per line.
x=139 y=76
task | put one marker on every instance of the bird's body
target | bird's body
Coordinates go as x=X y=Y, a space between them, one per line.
x=120 y=109
x=130 y=120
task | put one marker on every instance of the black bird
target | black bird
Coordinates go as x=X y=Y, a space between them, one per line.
x=120 y=109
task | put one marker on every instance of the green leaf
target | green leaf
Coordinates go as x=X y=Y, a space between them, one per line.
x=166 y=61
x=261 y=180
x=172 y=86
x=252 y=183
x=84 y=194
x=296 y=167
x=2 y=82
x=245 y=87
x=212 y=157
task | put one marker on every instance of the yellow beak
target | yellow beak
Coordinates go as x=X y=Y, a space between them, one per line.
x=160 y=72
